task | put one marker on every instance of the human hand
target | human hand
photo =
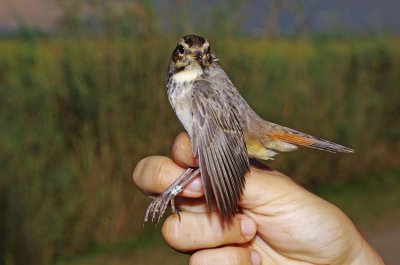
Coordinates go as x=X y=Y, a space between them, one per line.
x=281 y=222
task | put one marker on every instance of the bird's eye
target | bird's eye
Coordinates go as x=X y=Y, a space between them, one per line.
x=181 y=49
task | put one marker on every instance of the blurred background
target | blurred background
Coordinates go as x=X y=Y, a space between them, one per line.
x=82 y=100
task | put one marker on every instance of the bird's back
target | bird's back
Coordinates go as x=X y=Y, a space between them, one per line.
x=263 y=139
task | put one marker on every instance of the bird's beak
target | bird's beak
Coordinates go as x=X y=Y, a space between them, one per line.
x=198 y=55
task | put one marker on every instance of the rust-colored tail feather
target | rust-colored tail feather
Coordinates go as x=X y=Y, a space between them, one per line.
x=298 y=138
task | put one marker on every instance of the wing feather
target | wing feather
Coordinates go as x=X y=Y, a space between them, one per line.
x=218 y=142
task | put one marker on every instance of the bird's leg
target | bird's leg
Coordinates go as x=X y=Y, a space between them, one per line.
x=159 y=204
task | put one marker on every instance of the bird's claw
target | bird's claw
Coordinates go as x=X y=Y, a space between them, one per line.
x=159 y=205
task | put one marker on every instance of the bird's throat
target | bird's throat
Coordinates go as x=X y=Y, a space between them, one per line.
x=188 y=74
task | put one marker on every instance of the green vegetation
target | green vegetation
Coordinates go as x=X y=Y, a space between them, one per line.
x=368 y=200
x=148 y=248
x=76 y=116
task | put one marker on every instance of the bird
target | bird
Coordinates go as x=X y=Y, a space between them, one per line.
x=225 y=132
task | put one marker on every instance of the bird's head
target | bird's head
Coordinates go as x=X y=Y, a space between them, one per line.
x=191 y=49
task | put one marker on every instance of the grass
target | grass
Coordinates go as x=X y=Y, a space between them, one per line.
x=77 y=115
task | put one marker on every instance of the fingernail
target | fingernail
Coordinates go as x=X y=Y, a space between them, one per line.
x=195 y=185
x=255 y=258
x=247 y=226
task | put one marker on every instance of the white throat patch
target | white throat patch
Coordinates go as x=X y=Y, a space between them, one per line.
x=190 y=73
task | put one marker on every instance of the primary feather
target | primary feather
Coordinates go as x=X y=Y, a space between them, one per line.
x=219 y=144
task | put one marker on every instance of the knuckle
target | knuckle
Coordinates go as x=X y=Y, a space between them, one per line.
x=229 y=235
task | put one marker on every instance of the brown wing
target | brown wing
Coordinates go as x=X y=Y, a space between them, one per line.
x=218 y=142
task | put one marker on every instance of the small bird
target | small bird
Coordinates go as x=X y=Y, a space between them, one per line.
x=224 y=131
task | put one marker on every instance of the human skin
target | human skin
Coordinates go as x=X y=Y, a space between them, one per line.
x=280 y=223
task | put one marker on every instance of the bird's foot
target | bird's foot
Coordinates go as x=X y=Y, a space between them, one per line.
x=158 y=206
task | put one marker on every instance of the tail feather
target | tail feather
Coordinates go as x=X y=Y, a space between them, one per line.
x=299 y=138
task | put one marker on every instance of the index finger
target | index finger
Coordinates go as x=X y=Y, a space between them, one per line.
x=156 y=173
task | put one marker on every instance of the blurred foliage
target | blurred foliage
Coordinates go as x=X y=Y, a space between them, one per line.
x=81 y=105
x=361 y=199
x=144 y=18
x=77 y=114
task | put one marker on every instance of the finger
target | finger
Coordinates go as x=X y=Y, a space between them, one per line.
x=196 y=231
x=226 y=256
x=182 y=151
x=193 y=205
x=154 y=174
